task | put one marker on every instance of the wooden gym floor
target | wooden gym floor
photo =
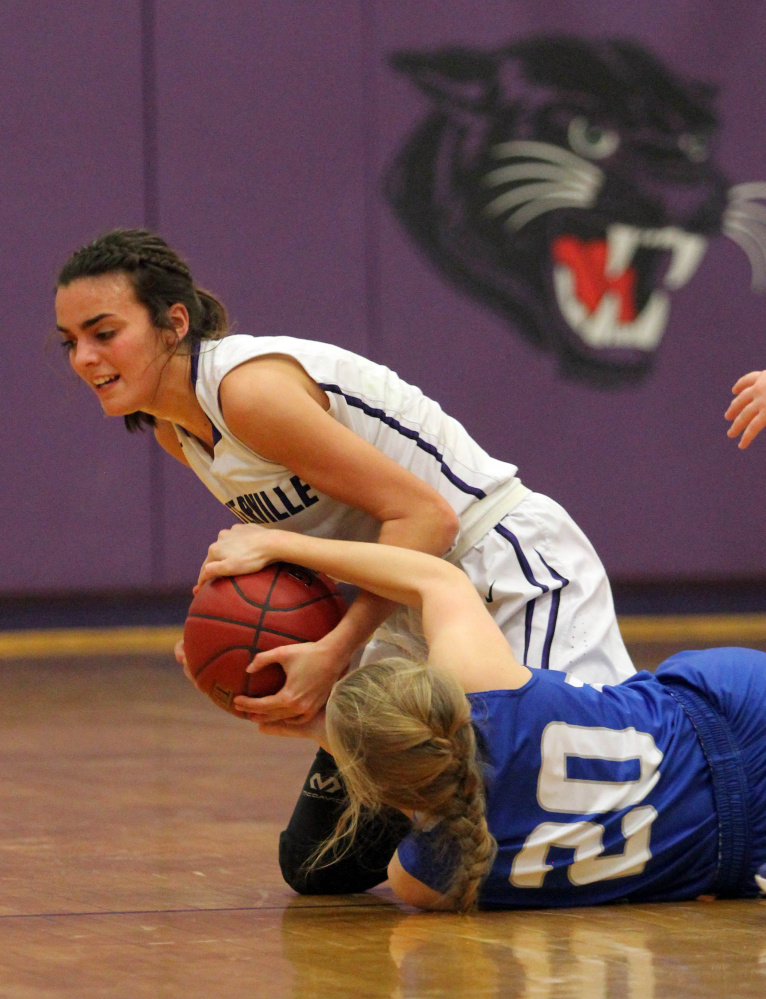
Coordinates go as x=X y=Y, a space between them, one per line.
x=138 y=861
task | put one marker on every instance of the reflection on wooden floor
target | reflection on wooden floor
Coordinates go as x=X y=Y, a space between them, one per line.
x=138 y=860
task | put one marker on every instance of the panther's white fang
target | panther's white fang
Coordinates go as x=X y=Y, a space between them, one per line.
x=646 y=331
x=687 y=250
x=621 y=244
x=603 y=328
x=570 y=305
x=600 y=329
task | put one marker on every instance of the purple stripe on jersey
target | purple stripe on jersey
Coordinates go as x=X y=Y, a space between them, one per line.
x=526 y=568
x=553 y=616
x=545 y=662
x=528 y=614
x=556 y=575
x=194 y=365
x=380 y=414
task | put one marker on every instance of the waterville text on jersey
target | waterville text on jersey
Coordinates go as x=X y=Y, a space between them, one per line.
x=271 y=505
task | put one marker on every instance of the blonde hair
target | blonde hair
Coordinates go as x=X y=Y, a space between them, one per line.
x=402 y=737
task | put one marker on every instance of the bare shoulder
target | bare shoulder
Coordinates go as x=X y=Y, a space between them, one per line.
x=165 y=435
x=411 y=891
x=262 y=381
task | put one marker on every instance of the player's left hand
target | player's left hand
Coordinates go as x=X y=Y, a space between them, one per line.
x=311 y=669
x=239 y=549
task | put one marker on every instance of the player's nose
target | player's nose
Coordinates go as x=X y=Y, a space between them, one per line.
x=84 y=354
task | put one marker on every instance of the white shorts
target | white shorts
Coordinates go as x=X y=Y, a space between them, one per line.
x=547 y=590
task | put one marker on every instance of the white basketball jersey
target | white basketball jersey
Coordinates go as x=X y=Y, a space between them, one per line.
x=369 y=399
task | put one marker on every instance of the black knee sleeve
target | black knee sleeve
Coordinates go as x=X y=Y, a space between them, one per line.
x=321 y=802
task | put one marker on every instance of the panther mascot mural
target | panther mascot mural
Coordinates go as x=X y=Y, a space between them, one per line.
x=570 y=185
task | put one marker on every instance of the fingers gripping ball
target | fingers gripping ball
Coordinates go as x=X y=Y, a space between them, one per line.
x=234 y=617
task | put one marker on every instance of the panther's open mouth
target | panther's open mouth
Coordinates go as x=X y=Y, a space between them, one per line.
x=607 y=290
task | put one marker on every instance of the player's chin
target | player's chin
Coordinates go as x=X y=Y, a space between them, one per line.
x=119 y=403
x=112 y=407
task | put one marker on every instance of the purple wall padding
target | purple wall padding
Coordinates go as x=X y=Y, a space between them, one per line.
x=647 y=471
x=74 y=490
x=261 y=138
x=275 y=125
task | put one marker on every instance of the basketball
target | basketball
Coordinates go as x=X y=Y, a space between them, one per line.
x=234 y=617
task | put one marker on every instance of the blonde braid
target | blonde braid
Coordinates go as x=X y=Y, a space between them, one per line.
x=466 y=825
x=402 y=737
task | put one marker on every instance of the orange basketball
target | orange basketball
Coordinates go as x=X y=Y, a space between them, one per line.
x=234 y=617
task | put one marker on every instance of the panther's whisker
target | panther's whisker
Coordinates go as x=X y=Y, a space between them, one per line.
x=747 y=210
x=746 y=192
x=525 y=171
x=535 y=208
x=547 y=152
x=753 y=247
x=754 y=229
x=533 y=192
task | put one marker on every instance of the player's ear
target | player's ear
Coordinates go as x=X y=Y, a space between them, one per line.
x=179 y=319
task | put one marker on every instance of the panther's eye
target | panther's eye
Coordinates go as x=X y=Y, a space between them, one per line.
x=696 y=147
x=591 y=140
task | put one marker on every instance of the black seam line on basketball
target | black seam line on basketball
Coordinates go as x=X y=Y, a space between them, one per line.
x=254 y=603
x=216 y=655
x=251 y=649
x=253 y=646
x=285 y=634
x=165 y=912
x=277 y=574
x=266 y=607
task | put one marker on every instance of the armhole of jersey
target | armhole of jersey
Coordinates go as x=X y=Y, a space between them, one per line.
x=181 y=434
x=247 y=360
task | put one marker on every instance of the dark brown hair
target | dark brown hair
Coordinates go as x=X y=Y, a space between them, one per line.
x=160 y=279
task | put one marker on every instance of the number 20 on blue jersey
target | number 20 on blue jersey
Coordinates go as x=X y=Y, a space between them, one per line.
x=558 y=792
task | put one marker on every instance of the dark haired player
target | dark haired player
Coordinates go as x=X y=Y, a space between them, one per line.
x=314 y=439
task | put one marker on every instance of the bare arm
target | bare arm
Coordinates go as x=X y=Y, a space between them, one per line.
x=411 y=891
x=461 y=635
x=274 y=408
x=279 y=412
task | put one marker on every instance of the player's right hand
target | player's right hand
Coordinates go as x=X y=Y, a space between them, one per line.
x=311 y=669
x=748 y=409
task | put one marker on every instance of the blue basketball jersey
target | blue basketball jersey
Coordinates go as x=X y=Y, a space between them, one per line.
x=603 y=794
